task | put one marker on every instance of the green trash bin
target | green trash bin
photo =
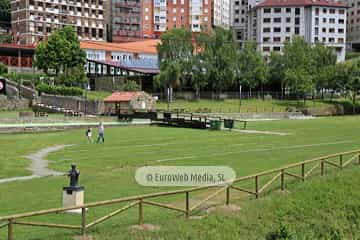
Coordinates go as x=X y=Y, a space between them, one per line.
x=215 y=125
x=229 y=123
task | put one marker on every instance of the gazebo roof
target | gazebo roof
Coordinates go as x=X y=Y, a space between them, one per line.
x=121 y=97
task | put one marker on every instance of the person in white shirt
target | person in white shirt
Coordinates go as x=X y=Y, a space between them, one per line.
x=100 y=133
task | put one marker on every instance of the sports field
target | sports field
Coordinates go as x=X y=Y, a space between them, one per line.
x=107 y=171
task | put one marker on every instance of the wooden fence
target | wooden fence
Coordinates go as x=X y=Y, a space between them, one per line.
x=305 y=169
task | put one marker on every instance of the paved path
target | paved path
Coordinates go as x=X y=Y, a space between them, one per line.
x=39 y=165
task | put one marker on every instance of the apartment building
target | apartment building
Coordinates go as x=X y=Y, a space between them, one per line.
x=32 y=20
x=221 y=13
x=353 y=24
x=318 y=21
x=126 y=20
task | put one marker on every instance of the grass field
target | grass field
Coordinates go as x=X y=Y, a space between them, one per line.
x=107 y=171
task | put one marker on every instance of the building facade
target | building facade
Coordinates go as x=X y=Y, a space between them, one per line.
x=34 y=20
x=320 y=21
x=126 y=20
x=353 y=24
x=221 y=13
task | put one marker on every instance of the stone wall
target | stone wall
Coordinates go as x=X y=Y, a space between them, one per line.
x=73 y=103
x=24 y=92
x=13 y=103
x=324 y=111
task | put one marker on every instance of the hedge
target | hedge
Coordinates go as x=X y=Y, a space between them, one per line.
x=59 y=90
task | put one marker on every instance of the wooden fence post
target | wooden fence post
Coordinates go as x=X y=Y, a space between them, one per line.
x=322 y=168
x=303 y=171
x=187 y=205
x=341 y=161
x=141 y=216
x=83 y=221
x=10 y=230
x=227 y=195
x=359 y=159
x=257 y=186
x=282 y=180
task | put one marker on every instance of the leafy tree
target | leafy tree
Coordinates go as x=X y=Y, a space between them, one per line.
x=175 y=57
x=299 y=66
x=324 y=58
x=62 y=54
x=348 y=74
x=198 y=75
x=5 y=12
x=217 y=52
x=252 y=68
x=277 y=71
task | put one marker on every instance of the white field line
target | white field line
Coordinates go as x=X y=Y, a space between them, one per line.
x=258 y=150
x=260 y=132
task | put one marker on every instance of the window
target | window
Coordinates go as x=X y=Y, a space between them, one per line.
x=277 y=10
x=288 y=20
x=316 y=11
x=324 y=30
x=267 y=20
x=297 y=21
x=287 y=39
x=316 y=39
x=267 y=10
x=288 y=10
x=316 y=31
x=277 y=39
x=324 y=20
x=297 y=30
x=331 y=30
x=266 y=39
x=277 y=49
x=277 y=20
x=324 y=40
x=266 y=49
x=277 y=29
x=340 y=40
x=324 y=10
x=332 y=10
x=342 y=11
x=288 y=29
x=331 y=40
x=297 y=11
x=340 y=30
x=341 y=21
x=266 y=30
x=332 y=20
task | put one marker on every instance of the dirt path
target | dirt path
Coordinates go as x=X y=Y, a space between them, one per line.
x=39 y=165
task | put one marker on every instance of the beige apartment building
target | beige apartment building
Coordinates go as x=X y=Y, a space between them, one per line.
x=34 y=20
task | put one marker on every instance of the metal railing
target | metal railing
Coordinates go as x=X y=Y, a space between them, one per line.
x=146 y=199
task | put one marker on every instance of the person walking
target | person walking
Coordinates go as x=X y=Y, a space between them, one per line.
x=100 y=133
x=89 y=135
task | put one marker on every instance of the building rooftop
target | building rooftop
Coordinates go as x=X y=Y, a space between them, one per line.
x=144 y=46
x=283 y=3
x=121 y=97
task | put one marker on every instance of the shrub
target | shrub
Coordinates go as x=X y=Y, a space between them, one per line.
x=131 y=86
x=281 y=233
x=59 y=90
x=3 y=69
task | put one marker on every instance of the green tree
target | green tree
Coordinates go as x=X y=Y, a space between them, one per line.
x=5 y=12
x=198 y=75
x=348 y=74
x=324 y=58
x=252 y=68
x=299 y=66
x=217 y=51
x=62 y=54
x=175 y=57
x=277 y=71
x=131 y=86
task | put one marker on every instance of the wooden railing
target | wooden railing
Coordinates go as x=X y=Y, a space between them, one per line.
x=338 y=160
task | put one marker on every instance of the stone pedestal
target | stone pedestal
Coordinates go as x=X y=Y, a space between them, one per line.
x=73 y=196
